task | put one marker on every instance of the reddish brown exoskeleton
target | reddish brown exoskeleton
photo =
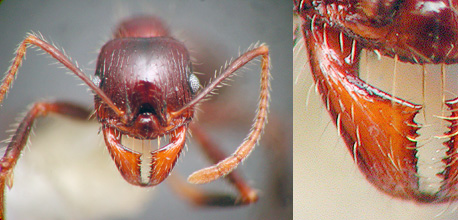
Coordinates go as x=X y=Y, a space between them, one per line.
x=379 y=128
x=145 y=89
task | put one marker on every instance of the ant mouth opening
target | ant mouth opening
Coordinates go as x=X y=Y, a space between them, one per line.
x=145 y=147
x=146 y=109
x=429 y=86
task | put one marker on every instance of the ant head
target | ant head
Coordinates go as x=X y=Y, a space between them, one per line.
x=149 y=80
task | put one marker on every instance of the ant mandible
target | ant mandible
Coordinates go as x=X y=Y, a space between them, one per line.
x=144 y=88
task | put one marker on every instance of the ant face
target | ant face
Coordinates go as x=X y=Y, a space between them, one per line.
x=148 y=79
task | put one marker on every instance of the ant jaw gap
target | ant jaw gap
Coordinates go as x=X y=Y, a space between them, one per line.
x=129 y=161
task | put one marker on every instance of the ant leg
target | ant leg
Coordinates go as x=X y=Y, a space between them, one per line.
x=277 y=140
x=225 y=166
x=20 y=137
x=247 y=194
x=201 y=197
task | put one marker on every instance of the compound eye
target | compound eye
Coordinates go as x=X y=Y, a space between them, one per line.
x=193 y=83
x=96 y=80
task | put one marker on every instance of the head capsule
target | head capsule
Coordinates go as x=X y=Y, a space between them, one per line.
x=147 y=78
